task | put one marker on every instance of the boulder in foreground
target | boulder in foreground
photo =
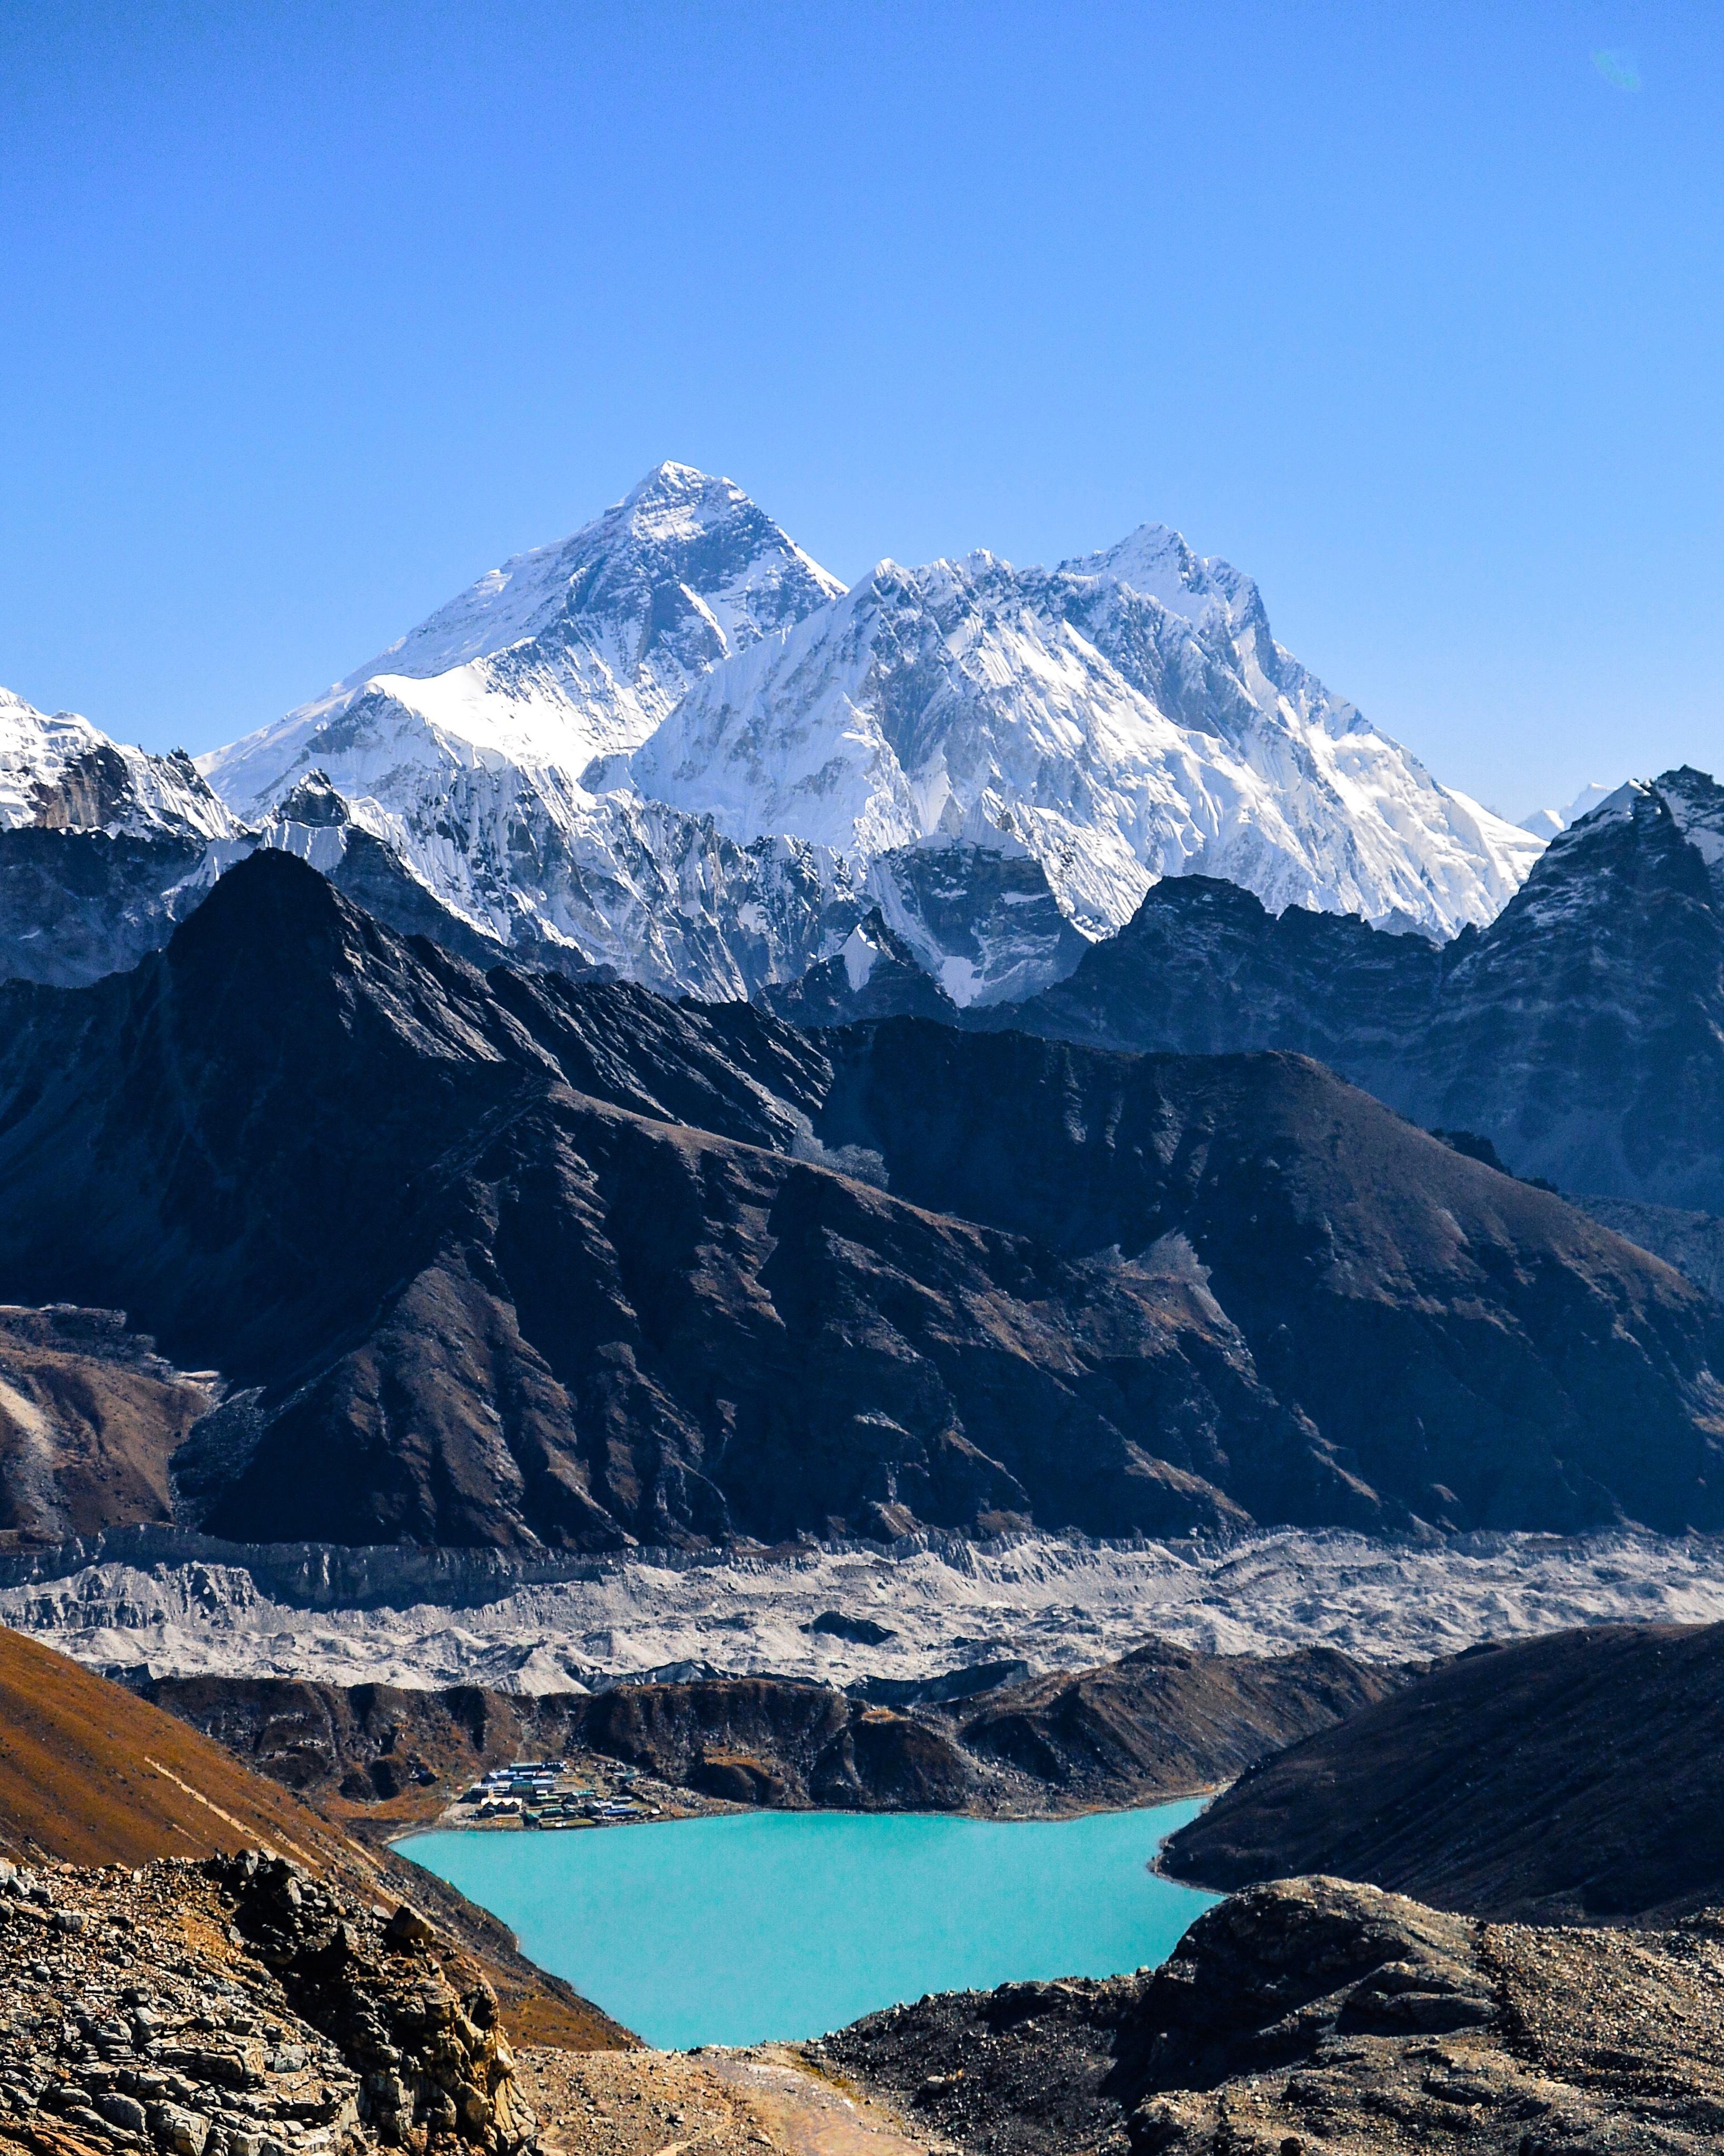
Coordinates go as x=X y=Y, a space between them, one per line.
x=1316 y=2015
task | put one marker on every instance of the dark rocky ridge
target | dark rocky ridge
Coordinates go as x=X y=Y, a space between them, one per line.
x=1582 y=1031
x=509 y=1260
x=1569 y=1778
x=1314 y=2014
x=1397 y=1293
x=1160 y=1722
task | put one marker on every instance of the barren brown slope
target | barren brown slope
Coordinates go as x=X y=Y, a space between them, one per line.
x=90 y=1775
x=90 y=1417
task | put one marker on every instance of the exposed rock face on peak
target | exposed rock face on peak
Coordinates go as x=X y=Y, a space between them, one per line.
x=1203 y=967
x=514 y=1261
x=1581 y=1033
x=874 y=974
x=1584 y=1032
x=104 y=848
x=1316 y=2014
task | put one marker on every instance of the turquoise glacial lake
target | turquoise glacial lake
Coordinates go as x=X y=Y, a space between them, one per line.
x=779 y=1925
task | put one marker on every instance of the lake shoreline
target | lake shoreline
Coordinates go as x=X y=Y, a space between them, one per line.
x=726 y=1934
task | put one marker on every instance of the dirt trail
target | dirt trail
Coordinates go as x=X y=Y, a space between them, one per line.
x=704 y=2103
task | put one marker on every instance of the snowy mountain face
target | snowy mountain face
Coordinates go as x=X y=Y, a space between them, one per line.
x=1124 y=717
x=59 y=773
x=477 y=749
x=673 y=748
x=568 y=654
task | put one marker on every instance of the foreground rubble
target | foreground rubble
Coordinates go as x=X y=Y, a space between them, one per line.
x=238 y=2006
x=1313 y=2017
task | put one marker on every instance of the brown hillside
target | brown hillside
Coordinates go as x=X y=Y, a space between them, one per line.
x=91 y=1775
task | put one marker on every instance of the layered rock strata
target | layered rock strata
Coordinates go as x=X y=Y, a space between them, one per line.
x=241 y=2007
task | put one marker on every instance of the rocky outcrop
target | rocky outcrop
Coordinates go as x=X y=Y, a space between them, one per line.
x=91 y=1776
x=243 y=2007
x=1315 y=2014
x=1570 y=1779
x=506 y=1261
x=1159 y=1723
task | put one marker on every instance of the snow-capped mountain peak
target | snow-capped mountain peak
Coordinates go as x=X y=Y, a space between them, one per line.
x=673 y=744
x=562 y=656
x=59 y=773
x=1155 y=561
x=1117 y=737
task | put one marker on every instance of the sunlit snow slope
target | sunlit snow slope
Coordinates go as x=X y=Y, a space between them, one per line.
x=674 y=745
x=62 y=773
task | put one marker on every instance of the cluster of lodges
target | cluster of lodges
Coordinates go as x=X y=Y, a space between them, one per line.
x=542 y=1792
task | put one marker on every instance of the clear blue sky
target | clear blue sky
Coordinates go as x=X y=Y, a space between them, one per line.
x=1413 y=311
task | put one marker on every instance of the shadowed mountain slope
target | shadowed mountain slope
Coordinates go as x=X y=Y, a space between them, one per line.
x=506 y=1260
x=1582 y=1031
x=1573 y=1777
x=1463 y=1346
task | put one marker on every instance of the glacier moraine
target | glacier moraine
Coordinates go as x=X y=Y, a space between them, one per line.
x=1049 y=1601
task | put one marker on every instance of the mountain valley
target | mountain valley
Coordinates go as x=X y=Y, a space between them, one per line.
x=965 y=1195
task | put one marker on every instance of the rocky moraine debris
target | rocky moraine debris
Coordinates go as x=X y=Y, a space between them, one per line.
x=1314 y=2017
x=241 y=2007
